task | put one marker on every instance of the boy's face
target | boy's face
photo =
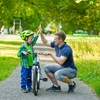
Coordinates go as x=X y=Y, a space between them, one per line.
x=30 y=38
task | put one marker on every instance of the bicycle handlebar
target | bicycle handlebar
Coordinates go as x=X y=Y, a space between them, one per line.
x=40 y=53
x=35 y=53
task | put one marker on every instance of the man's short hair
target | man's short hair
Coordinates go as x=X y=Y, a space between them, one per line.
x=61 y=35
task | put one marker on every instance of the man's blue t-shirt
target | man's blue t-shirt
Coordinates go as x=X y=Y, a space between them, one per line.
x=66 y=51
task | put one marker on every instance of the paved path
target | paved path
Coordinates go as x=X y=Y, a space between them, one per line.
x=10 y=88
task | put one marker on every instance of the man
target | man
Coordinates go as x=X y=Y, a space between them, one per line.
x=66 y=69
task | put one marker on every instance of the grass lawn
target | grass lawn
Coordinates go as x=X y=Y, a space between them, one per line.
x=86 y=52
x=87 y=58
x=8 y=56
x=8 y=64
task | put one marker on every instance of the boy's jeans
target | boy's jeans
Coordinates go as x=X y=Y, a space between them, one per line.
x=26 y=77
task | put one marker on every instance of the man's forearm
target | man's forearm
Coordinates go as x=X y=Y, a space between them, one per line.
x=56 y=59
x=43 y=39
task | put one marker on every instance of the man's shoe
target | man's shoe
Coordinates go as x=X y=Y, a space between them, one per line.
x=54 y=89
x=24 y=91
x=72 y=87
x=30 y=89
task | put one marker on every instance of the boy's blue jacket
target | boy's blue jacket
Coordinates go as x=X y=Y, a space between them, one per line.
x=24 y=58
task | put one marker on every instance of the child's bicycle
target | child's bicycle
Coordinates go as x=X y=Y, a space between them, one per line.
x=37 y=75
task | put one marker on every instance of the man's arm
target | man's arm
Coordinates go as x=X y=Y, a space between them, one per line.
x=44 y=40
x=60 y=60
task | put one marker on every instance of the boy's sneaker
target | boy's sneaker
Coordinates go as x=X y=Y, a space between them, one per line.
x=54 y=89
x=24 y=91
x=72 y=87
x=30 y=89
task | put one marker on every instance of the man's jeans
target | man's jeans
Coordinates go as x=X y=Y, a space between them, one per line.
x=60 y=72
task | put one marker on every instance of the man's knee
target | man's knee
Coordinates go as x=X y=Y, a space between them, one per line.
x=46 y=69
x=57 y=76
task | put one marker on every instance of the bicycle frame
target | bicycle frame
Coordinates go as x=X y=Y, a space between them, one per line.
x=36 y=75
x=37 y=65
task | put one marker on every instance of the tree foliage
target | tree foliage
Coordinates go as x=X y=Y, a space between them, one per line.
x=72 y=14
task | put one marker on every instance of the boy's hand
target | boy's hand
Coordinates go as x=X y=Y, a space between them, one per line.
x=29 y=52
x=40 y=29
x=24 y=52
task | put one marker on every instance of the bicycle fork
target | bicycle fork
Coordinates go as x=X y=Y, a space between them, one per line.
x=40 y=76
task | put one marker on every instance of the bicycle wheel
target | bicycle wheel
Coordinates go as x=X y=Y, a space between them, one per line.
x=38 y=81
x=35 y=81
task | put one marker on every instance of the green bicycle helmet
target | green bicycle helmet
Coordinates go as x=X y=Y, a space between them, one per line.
x=26 y=33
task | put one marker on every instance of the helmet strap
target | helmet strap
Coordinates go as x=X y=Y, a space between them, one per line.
x=27 y=40
x=27 y=43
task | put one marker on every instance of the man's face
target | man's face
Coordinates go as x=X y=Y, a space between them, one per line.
x=30 y=38
x=56 y=40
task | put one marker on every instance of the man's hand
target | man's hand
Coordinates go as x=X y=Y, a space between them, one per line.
x=44 y=40
x=40 y=29
x=47 y=53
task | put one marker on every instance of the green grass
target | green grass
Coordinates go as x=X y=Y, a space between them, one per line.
x=87 y=59
x=8 y=64
x=89 y=72
x=8 y=56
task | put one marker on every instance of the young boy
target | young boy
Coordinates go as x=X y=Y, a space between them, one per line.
x=26 y=56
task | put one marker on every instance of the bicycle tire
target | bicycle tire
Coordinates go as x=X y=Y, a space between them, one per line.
x=38 y=82
x=35 y=81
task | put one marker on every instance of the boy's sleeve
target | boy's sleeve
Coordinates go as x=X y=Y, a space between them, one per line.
x=34 y=40
x=19 y=53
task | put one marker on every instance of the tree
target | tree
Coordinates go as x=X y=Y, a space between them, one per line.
x=72 y=14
